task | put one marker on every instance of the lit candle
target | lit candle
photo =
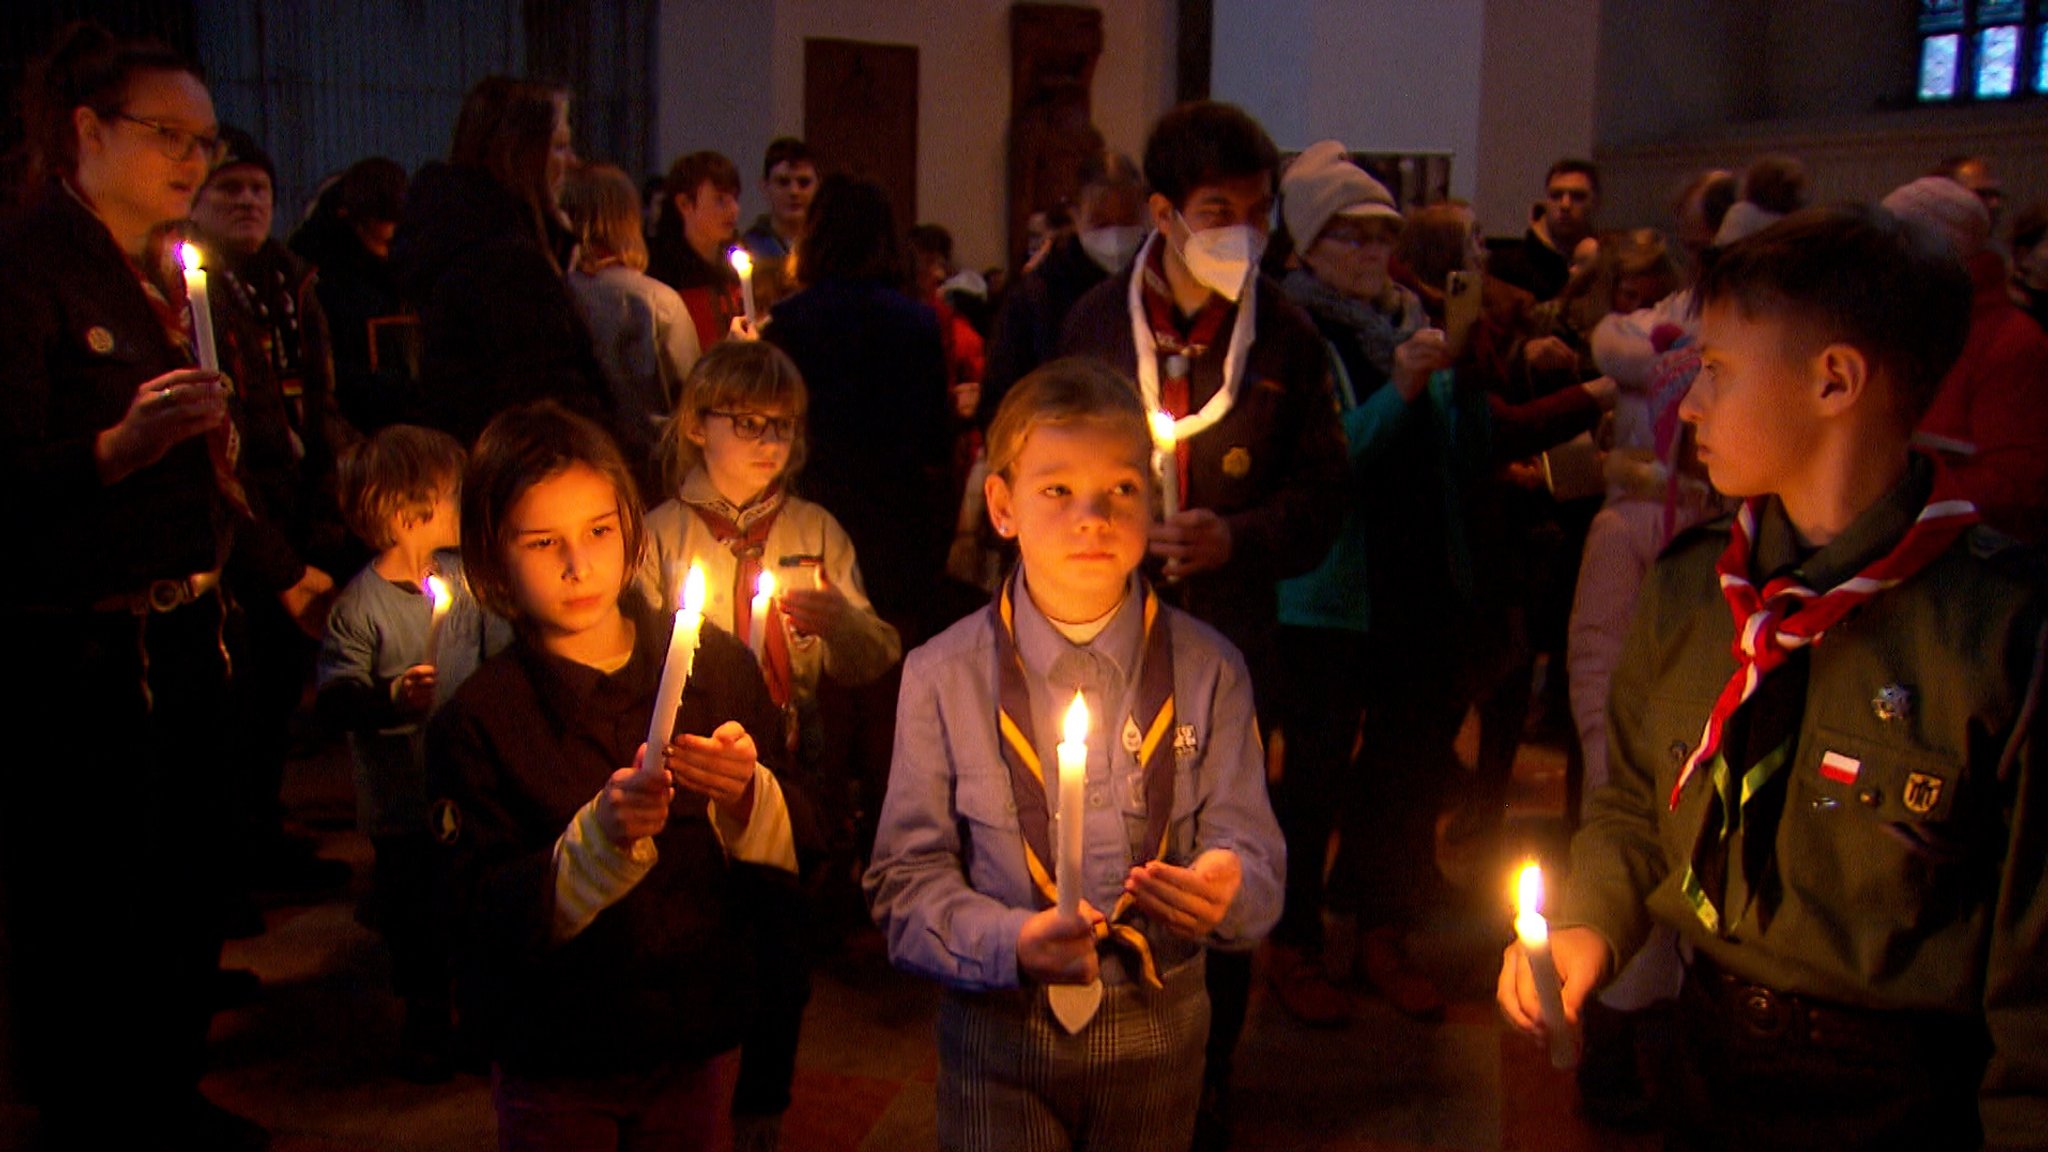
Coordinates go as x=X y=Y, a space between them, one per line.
x=757 y=621
x=675 y=671
x=1534 y=933
x=202 y=314
x=439 y=601
x=744 y=265
x=1073 y=755
x=1165 y=465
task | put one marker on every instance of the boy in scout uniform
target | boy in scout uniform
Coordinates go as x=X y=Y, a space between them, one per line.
x=1820 y=735
x=1259 y=457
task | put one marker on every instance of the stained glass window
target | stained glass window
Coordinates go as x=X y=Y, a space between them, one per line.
x=1981 y=49
x=1938 y=67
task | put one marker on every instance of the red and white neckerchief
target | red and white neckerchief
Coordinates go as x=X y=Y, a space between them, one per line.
x=1147 y=343
x=1786 y=615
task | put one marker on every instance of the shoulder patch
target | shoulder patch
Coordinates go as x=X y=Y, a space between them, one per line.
x=445 y=820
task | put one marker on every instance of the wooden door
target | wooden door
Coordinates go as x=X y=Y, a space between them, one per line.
x=860 y=115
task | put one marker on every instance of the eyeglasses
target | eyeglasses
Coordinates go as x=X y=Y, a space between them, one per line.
x=1355 y=237
x=753 y=425
x=176 y=144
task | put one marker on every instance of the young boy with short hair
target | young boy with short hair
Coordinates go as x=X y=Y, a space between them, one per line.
x=1180 y=848
x=1820 y=734
x=378 y=682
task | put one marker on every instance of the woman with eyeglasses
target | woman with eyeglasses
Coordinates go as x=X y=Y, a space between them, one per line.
x=482 y=252
x=120 y=455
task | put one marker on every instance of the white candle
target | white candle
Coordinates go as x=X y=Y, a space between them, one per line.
x=439 y=601
x=757 y=620
x=675 y=671
x=744 y=265
x=1534 y=932
x=1073 y=757
x=202 y=313
x=1165 y=464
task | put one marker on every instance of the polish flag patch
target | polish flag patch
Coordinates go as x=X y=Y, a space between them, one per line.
x=1839 y=768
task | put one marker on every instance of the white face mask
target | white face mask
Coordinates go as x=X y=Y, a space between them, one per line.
x=1222 y=258
x=1112 y=247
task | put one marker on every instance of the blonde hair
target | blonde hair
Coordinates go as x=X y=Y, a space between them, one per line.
x=605 y=211
x=1076 y=390
x=735 y=375
x=394 y=476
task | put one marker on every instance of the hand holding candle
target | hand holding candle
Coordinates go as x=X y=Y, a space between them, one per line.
x=1165 y=464
x=1073 y=761
x=675 y=670
x=1533 y=933
x=202 y=312
x=743 y=264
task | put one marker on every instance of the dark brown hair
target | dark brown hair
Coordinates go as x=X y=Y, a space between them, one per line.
x=1074 y=390
x=507 y=128
x=85 y=68
x=1205 y=142
x=850 y=234
x=395 y=475
x=518 y=449
x=1857 y=275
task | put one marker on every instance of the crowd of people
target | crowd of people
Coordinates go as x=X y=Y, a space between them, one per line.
x=1280 y=479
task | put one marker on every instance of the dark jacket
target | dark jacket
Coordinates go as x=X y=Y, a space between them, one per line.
x=356 y=287
x=1274 y=468
x=77 y=337
x=710 y=291
x=880 y=432
x=499 y=325
x=1532 y=265
x=1027 y=330
x=666 y=973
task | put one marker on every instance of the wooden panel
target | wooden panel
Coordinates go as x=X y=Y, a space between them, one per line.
x=1053 y=49
x=860 y=115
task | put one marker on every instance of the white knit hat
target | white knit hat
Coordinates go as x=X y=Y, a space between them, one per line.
x=1323 y=182
x=1946 y=208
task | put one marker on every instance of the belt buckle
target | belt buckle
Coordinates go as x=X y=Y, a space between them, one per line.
x=165 y=595
x=1761 y=1012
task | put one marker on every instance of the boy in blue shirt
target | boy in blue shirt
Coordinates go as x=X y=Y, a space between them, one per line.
x=1180 y=848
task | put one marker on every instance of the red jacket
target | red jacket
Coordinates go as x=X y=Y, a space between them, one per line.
x=1996 y=398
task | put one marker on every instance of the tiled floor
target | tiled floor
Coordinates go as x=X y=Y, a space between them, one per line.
x=309 y=1057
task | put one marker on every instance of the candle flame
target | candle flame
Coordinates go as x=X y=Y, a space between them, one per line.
x=693 y=590
x=436 y=590
x=188 y=257
x=764 y=588
x=1529 y=890
x=1162 y=431
x=1075 y=729
x=742 y=263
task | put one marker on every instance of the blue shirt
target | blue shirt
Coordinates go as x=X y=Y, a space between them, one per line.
x=948 y=882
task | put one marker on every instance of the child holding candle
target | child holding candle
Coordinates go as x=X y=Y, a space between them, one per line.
x=1820 y=734
x=1181 y=852
x=601 y=944
x=378 y=682
x=735 y=445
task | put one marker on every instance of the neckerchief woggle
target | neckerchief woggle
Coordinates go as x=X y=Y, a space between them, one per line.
x=1153 y=716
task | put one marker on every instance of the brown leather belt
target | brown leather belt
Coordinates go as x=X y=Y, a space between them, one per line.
x=1756 y=1013
x=160 y=595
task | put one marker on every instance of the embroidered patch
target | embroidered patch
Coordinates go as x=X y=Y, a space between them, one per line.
x=1839 y=768
x=446 y=821
x=1237 y=463
x=1922 y=793
x=1134 y=740
x=1184 y=741
x=99 y=340
x=1892 y=702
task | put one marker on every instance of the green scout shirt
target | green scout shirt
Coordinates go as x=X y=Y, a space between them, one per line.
x=1917 y=886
